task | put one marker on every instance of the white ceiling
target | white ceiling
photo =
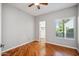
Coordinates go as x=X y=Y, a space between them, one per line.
x=44 y=9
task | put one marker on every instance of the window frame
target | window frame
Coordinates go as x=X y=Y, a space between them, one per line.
x=74 y=19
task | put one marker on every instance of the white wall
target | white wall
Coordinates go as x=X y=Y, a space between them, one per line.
x=0 y=27
x=78 y=28
x=18 y=27
x=51 y=30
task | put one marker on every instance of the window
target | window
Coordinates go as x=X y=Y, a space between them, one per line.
x=65 y=28
x=42 y=25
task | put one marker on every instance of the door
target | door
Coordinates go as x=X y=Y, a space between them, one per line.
x=42 y=31
x=42 y=36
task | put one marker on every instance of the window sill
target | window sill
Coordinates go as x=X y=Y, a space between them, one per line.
x=65 y=38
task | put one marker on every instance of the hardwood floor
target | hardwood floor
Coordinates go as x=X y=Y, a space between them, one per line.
x=33 y=49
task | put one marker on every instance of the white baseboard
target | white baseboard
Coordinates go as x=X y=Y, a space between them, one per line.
x=77 y=49
x=63 y=45
x=37 y=40
x=16 y=46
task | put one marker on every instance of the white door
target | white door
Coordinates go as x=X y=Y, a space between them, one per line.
x=42 y=31
x=42 y=36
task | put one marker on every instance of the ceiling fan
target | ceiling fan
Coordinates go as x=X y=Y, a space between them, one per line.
x=37 y=4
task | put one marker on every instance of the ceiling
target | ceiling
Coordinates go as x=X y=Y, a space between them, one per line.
x=44 y=9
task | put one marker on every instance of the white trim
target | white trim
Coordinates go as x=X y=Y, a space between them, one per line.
x=46 y=42
x=65 y=38
x=78 y=50
x=62 y=45
x=71 y=18
x=16 y=46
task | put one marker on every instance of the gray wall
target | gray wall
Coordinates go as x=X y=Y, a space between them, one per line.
x=78 y=27
x=18 y=27
x=0 y=27
x=51 y=30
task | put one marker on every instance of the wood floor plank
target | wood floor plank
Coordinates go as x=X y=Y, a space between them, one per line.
x=33 y=49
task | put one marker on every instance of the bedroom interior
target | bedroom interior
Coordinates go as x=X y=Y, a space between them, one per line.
x=39 y=29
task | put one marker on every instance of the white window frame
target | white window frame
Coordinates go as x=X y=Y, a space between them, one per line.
x=74 y=29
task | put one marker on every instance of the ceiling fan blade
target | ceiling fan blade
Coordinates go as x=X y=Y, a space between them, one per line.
x=38 y=6
x=31 y=5
x=44 y=3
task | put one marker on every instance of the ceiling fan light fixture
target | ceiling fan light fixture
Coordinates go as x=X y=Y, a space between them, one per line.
x=36 y=3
